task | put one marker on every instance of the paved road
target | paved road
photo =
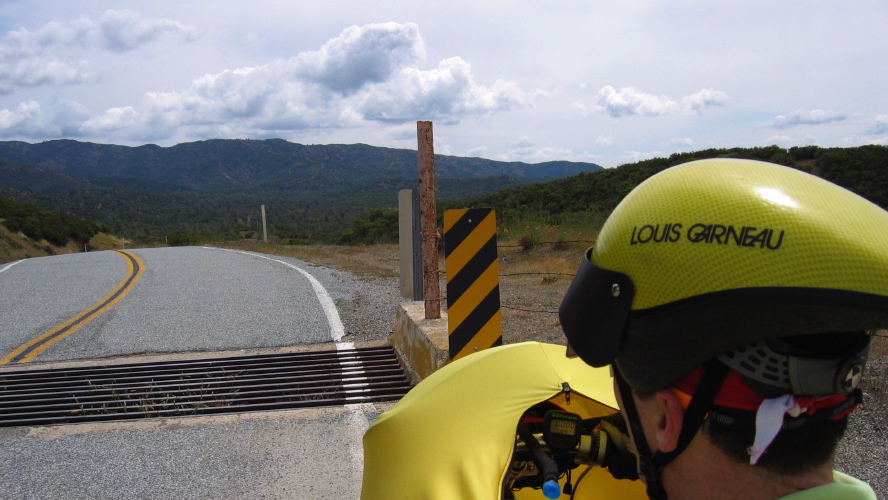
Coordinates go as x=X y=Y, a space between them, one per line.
x=192 y=300
x=187 y=299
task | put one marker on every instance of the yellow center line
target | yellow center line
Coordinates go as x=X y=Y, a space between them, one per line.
x=26 y=352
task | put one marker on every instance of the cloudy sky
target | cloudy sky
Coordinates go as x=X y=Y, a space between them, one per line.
x=584 y=80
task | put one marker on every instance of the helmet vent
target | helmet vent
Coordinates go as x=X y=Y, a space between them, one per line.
x=772 y=373
x=758 y=362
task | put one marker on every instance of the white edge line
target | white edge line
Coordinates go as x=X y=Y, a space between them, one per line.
x=358 y=421
x=11 y=264
x=337 y=330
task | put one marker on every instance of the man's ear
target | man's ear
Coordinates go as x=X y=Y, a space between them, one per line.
x=670 y=419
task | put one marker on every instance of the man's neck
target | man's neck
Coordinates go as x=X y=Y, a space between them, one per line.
x=703 y=471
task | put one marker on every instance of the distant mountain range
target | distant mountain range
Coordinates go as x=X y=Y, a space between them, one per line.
x=237 y=164
x=153 y=190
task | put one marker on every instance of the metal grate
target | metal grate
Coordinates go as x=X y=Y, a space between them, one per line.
x=201 y=386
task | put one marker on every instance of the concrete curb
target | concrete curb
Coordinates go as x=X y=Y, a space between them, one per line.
x=422 y=344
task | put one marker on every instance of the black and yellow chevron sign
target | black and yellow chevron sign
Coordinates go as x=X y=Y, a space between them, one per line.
x=474 y=320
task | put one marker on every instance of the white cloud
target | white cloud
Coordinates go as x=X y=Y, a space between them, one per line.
x=808 y=140
x=524 y=142
x=123 y=31
x=68 y=118
x=308 y=75
x=807 y=117
x=362 y=55
x=525 y=150
x=26 y=111
x=880 y=126
x=402 y=132
x=446 y=93
x=478 y=151
x=705 y=98
x=366 y=74
x=45 y=57
x=36 y=72
x=779 y=139
x=116 y=31
x=628 y=102
x=28 y=119
x=636 y=156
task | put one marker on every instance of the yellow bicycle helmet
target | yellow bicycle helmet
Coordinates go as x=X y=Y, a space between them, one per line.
x=712 y=255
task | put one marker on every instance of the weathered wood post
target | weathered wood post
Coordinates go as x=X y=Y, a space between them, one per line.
x=431 y=287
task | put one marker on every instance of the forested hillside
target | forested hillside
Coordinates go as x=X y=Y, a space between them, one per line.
x=863 y=170
x=151 y=210
x=32 y=231
x=580 y=204
x=38 y=223
x=213 y=189
x=228 y=164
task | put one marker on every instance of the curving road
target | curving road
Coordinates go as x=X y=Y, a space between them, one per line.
x=182 y=299
x=172 y=300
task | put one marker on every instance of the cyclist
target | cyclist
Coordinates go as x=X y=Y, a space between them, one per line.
x=735 y=300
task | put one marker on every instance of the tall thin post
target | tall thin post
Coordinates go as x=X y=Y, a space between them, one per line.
x=410 y=244
x=264 y=227
x=431 y=288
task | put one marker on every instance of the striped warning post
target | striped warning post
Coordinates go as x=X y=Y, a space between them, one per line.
x=474 y=320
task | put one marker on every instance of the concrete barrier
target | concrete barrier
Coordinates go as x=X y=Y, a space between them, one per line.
x=421 y=343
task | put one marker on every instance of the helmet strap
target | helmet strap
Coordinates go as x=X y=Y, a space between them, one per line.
x=651 y=464
x=647 y=469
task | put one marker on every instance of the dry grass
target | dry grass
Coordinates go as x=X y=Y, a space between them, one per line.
x=104 y=241
x=15 y=246
x=532 y=284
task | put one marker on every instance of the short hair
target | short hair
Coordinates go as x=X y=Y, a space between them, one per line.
x=794 y=451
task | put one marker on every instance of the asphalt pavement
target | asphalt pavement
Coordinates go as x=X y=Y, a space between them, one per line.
x=187 y=302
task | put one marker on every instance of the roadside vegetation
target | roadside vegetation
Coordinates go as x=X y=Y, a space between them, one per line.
x=150 y=214
x=559 y=213
x=574 y=208
x=31 y=231
x=40 y=224
x=17 y=246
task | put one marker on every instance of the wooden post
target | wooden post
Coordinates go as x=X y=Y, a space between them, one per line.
x=431 y=288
